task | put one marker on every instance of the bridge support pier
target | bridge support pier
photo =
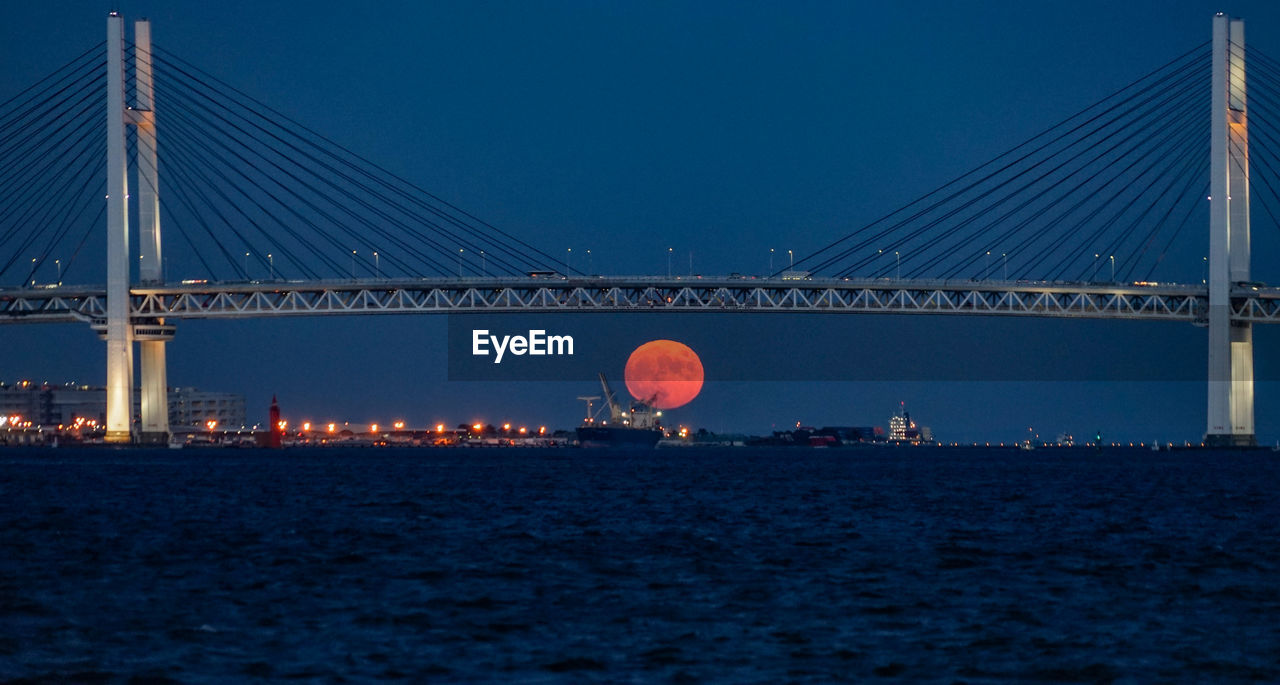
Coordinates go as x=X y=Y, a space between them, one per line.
x=1230 y=406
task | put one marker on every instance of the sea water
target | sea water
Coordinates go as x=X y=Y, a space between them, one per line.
x=690 y=565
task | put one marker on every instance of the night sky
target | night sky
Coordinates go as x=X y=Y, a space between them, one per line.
x=717 y=129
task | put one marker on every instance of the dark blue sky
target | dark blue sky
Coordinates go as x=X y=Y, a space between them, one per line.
x=724 y=129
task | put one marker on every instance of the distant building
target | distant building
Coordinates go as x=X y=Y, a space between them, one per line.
x=51 y=405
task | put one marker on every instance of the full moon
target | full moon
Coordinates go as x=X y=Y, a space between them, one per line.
x=665 y=371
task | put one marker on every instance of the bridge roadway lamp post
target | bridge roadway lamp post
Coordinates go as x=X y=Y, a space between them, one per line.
x=1230 y=372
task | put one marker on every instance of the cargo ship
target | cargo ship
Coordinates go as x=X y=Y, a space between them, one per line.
x=635 y=426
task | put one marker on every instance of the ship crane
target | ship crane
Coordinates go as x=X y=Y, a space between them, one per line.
x=615 y=409
x=589 y=399
x=640 y=415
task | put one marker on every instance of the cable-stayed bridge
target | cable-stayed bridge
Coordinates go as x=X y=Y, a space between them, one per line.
x=1101 y=215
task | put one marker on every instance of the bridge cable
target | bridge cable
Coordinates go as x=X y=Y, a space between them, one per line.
x=1099 y=104
x=22 y=207
x=304 y=200
x=984 y=194
x=1188 y=132
x=918 y=232
x=527 y=250
x=44 y=201
x=1200 y=170
x=356 y=198
x=1137 y=143
x=190 y=177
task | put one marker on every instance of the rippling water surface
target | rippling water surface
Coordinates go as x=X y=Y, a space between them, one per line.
x=676 y=565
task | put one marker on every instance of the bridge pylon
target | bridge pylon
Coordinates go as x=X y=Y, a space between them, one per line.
x=121 y=331
x=1230 y=406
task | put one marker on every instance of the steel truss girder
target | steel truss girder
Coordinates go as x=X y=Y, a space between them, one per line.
x=316 y=298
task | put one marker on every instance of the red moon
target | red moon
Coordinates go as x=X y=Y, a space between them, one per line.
x=666 y=370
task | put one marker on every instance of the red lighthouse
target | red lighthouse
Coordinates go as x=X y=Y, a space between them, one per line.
x=276 y=426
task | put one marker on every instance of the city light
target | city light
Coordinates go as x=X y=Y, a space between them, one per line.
x=211 y=424
x=373 y=428
x=506 y=426
x=477 y=427
x=333 y=428
x=306 y=425
x=399 y=425
x=282 y=424
x=542 y=430
x=523 y=430
x=439 y=427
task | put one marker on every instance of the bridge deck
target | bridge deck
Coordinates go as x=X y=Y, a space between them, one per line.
x=207 y=300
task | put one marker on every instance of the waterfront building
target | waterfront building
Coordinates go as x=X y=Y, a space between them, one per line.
x=45 y=404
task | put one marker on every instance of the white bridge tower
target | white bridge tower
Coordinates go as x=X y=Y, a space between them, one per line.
x=120 y=330
x=1230 y=416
